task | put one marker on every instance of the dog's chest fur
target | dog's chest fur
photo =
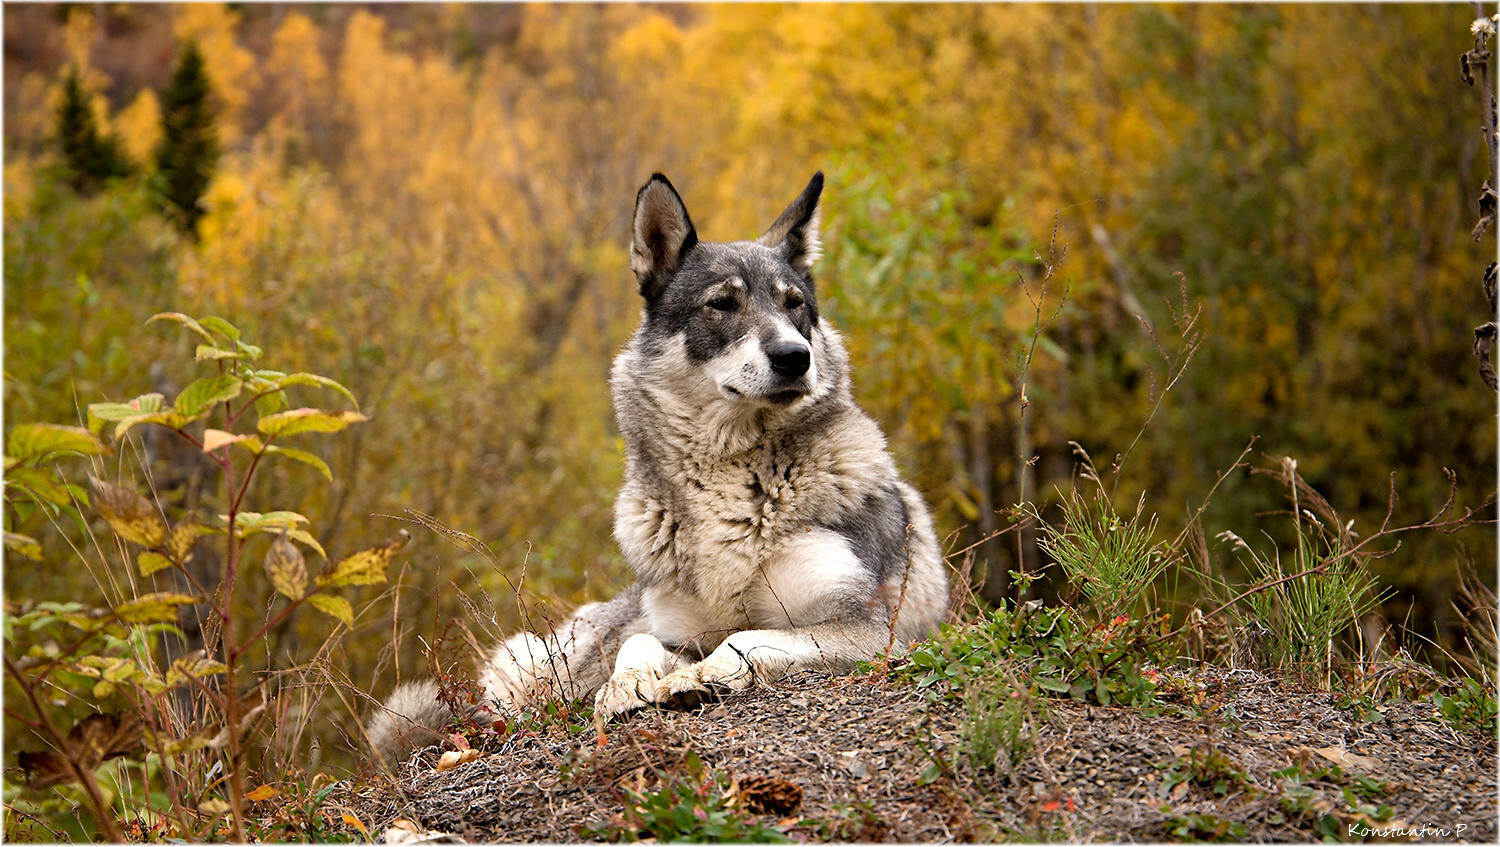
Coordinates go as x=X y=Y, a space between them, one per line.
x=742 y=540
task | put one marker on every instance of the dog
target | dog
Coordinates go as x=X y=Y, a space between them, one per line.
x=766 y=523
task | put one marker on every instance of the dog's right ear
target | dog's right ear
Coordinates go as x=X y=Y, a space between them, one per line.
x=660 y=235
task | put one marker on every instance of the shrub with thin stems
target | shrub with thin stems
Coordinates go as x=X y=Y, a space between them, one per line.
x=1114 y=559
x=1309 y=602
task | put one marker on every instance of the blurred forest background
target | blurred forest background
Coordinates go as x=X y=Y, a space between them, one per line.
x=430 y=204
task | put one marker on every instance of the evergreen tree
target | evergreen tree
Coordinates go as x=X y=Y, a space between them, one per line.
x=89 y=158
x=189 y=147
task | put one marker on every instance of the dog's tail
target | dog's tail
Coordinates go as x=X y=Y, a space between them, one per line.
x=412 y=717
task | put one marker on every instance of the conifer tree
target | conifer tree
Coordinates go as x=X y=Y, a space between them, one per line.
x=189 y=147
x=89 y=158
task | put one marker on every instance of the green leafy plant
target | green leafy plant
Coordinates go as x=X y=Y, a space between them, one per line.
x=1207 y=767
x=856 y=822
x=1469 y=706
x=1201 y=826
x=1311 y=795
x=1051 y=648
x=109 y=655
x=695 y=805
x=998 y=727
x=1114 y=559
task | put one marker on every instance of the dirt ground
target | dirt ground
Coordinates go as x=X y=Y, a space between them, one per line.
x=855 y=749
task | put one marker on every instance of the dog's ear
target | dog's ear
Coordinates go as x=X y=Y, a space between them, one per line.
x=660 y=235
x=796 y=231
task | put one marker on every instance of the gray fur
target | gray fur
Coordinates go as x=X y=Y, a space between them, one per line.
x=767 y=526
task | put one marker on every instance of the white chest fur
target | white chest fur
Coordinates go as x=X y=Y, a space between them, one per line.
x=742 y=541
x=810 y=577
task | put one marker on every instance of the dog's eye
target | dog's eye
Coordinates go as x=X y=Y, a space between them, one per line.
x=794 y=301
x=722 y=304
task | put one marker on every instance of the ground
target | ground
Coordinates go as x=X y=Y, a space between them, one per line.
x=1239 y=757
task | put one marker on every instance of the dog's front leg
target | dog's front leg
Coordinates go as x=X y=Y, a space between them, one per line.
x=765 y=655
x=639 y=667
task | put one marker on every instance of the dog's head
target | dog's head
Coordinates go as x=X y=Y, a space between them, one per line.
x=746 y=312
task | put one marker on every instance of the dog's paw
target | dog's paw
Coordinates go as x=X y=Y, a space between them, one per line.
x=723 y=670
x=682 y=689
x=625 y=692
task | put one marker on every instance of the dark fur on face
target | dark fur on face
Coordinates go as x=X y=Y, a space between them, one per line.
x=716 y=294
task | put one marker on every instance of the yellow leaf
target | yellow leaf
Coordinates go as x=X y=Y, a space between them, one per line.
x=37 y=441
x=25 y=545
x=129 y=514
x=356 y=823
x=151 y=561
x=307 y=420
x=367 y=567
x=213 y=439
x=265 y=792
x=180 y=540
x=153 y=608
x=193 y=666
x=286 y=567
x=335 y=607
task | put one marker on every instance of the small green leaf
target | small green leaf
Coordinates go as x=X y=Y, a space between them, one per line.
x=246 y=523
x=171 y=419
x=335 y=607
x=201 y=395
x=24 y=545
x=315 y=379
x=185 y=321
x=40 y=483
x=930 y=775
x=303 y=456
x=35 y=442
x=101 y=413
x=250 y=523
x=249 y=350
x=210 y=353
x=270 y=404
x=367 y=567
x=150 y=562
x=160 y=607
x=307 y=420
x=221 y=326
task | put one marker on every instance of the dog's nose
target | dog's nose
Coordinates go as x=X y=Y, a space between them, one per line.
x=790 y=360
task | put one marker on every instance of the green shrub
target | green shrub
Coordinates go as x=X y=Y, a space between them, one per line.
x=1053 y=649
x=94 y=681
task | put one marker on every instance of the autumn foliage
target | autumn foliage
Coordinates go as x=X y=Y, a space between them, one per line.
x=430 y=205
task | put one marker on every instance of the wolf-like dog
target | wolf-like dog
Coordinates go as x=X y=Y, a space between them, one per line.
x=765 y=521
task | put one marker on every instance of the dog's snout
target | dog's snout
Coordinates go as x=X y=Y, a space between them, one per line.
x=790 y=360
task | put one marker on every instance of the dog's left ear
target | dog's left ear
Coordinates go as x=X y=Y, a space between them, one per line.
x=796 y=231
